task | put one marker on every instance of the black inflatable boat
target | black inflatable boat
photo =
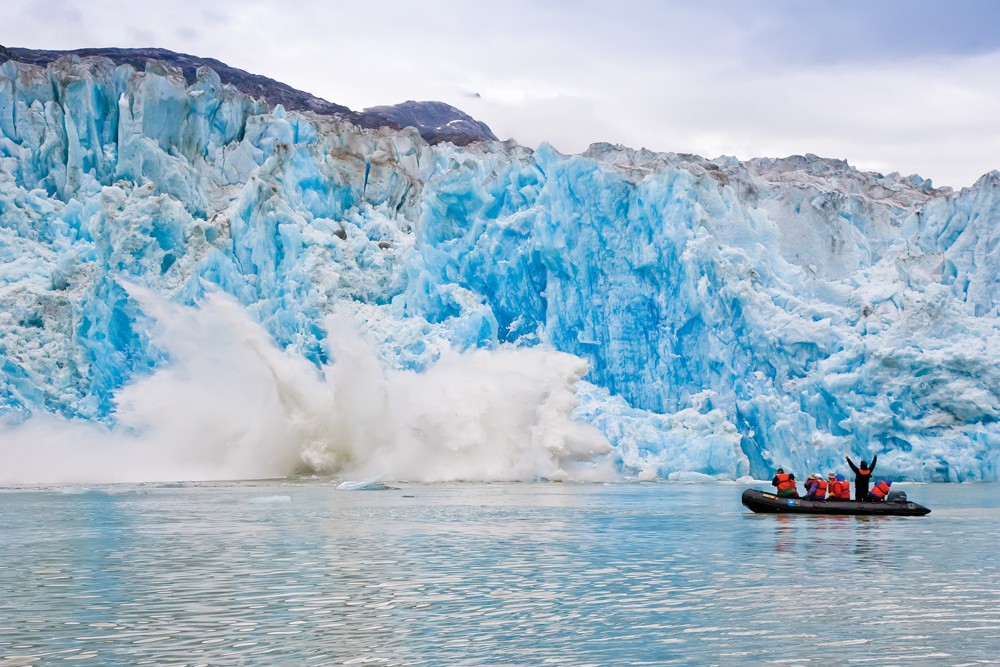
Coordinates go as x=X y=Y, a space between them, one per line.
x=768 y=503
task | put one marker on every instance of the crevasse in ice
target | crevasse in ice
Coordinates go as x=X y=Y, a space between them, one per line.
x=736 y=316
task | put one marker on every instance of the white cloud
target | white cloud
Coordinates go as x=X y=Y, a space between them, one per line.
x=767 y=79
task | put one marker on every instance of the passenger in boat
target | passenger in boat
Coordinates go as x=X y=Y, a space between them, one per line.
x=880 y=491
x=816 y=487
x=862 y=477
x=840 y=488
x=785 y=483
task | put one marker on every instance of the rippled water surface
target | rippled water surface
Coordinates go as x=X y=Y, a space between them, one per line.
x=301 y=573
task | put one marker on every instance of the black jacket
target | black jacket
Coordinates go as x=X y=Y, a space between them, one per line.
x=861 y=481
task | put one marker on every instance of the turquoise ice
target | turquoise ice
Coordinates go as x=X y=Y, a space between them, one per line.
x=736 y=316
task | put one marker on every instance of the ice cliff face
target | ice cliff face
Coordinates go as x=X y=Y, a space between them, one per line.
x=736 y=316
x=435 y=121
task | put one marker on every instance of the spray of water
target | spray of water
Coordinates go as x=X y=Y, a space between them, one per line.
x=230 y=404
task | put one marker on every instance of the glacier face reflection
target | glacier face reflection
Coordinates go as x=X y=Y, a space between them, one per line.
x=474 y=574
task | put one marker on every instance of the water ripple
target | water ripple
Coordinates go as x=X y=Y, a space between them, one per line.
x=486 y=575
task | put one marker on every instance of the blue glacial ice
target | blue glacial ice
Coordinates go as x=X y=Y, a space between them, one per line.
x=184 y=264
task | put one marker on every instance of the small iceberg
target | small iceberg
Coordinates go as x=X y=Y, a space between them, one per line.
x=352 y=485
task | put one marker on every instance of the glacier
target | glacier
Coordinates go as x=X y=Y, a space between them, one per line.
x=269 y=292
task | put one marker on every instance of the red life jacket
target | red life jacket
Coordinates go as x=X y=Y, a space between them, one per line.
x=880 y=490
x=820 y=490
x=840 y=490
x=785 y=481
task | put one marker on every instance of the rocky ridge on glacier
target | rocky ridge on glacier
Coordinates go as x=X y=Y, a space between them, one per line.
x=435 y=121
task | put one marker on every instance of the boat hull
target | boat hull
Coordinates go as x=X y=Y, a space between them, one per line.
x=768 y=503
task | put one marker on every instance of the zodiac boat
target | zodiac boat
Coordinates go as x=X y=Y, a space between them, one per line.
x=768 y=503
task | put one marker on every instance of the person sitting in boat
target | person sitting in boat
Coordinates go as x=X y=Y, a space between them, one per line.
x=785 y=483
x=839 y=487
x=816 y=487
x=862 y=477
x=880 y=491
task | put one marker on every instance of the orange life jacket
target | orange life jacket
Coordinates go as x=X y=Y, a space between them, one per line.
x=785 y=481
x=864 y=471
x=820 y=490
x=880 y=490
x=840 y=490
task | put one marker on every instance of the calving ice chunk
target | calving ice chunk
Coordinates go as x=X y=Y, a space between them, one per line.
x=734 y=316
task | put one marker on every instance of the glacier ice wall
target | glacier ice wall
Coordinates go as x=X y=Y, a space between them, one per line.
x=735 y=316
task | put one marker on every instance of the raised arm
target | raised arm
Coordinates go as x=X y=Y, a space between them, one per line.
x=853 y=467
x=874 y=459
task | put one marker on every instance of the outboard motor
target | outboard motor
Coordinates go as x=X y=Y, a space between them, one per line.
x=895 y=496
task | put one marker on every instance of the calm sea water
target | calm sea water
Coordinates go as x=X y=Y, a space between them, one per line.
x=300 y=573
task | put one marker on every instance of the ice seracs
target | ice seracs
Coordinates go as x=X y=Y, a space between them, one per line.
x=735 y=316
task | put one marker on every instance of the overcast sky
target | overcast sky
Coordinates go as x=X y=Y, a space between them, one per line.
x=889 y=85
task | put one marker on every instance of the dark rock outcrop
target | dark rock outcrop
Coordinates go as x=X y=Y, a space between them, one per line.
x=436 y=121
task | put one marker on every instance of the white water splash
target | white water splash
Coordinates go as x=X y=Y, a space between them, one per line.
x=231 y=404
